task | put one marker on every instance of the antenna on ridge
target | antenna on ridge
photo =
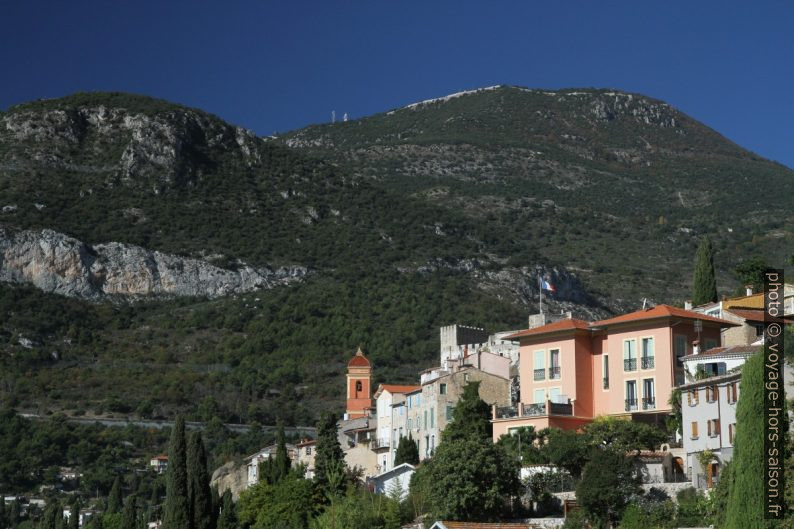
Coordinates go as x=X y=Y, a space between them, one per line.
x=333 y=116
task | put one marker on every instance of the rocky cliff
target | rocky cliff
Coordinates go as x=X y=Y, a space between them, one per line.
x=60 y=264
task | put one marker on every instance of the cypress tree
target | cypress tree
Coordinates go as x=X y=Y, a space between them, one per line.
x=14 y=514
x=114 y=498
x=745 y=496
x=130 y=517
x=407 y=451
x=176 y=513
x=704 y=282
x=3 y=516
x=329 y=461
x=53 y=516
x=74 y=515
x=227 y=517
x=282 y=462
x=200 y=498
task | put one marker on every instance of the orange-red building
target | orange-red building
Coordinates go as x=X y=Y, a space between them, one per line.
x=573 y=371
x=359 y=386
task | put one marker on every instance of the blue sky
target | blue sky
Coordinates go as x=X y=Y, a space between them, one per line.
x=275 y=66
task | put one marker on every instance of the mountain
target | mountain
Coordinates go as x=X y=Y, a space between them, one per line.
x=614 y=185
x=154 y=258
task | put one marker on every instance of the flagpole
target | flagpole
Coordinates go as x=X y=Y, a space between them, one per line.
x=540 y=290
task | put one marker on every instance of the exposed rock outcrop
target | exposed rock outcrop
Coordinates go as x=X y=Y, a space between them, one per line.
x=60 y=264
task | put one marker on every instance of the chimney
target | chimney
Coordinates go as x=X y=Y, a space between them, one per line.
x=748 y=290
x=688 y=305
x=696 y=347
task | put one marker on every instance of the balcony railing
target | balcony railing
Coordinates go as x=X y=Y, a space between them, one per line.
x=631 y=404
x=533 y=410
x=378 y=444
x=554 y=372
x=647 y=362
x=540 y=374
x=558 y=408
x=630 y=364
x=606 y=382
x=649 y=403
x=506 y=412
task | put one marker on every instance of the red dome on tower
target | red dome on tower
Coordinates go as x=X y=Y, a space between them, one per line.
x=359 y=360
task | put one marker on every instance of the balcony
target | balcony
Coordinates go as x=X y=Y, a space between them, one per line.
x=506 y=412
x=540 y=374
x=379 y=444
x=647 y=362
x=554 y=372
x=631 y=404
x=558 y=408
x=606 y=382
x=649 y=403
x=630 y=364
x=534 y=410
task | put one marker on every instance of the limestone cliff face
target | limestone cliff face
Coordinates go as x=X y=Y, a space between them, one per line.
x=57 y=263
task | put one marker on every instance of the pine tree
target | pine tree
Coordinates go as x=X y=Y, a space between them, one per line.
x=130 y=518
x=329 y=461
x=227 y=518
x=176 y=513
x=199 y=494
x=745 y=497
x=14 y=514
x=3 y=516
x=282 y=463
x=704 y=282
x=407 y=451
x=52 y=517
x=114 y=498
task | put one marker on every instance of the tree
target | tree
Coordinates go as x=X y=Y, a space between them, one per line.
x=751 y=272
x=176 y=513
x=472 y=416
x=286 y=504
x=609 y=479
x=200 y=497
x=622 y=435
x=329 y=460
x=674 y=420
x=130 y=519
x=745 y=497
x=227 y=517
x=114 y=498
x=468 y=479
x=407 y=451
x=74 y=515
x=282 y=462
x=704 y=282
x=52 y=517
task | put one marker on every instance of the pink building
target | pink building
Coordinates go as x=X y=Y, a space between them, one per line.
x=573 y=371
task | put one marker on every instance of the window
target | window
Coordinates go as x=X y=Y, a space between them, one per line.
x=448 y=413
x=427 y=446
x=442 y=389
x=408 y=400
x=731 y=393
x=631 y=395
x=540 y=396
x=648 y=394
x=647 y=353
x=425 y=421
x=418 y=400
x=712 y=393
x=554 y=364
x=711 y=344
x=605 y=371
x=692 y=397
x=714 y=427
x=432 y=418
x=540 y=366
x=432 y=443
x=680 y=348
x=359 y=387
x=308 y=450
x=731 y=432
x=694 y=434
x=465 y=377
x=410 y=423
x=554 y=394
x=629 y=355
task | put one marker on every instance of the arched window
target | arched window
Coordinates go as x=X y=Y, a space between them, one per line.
x=359 y=387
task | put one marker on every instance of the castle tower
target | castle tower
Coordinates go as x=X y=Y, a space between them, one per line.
x=359 y=388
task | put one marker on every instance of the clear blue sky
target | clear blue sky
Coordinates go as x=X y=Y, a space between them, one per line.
x=276 y=65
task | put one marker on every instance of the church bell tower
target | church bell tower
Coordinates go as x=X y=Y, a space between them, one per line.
x=359 y=386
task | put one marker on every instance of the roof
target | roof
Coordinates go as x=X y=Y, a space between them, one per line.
x=651 y=454
x=735 y=350
x=752 y=301
x=710 y=381
x=479 y=525
x=307 y=443
x=359 y=360
x=756 y=315
x=396 y=388
x=661 y=311
x=399 y=469
x=569 y=324
x=162 y=457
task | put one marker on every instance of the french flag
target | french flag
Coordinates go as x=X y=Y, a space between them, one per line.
x=545 y=285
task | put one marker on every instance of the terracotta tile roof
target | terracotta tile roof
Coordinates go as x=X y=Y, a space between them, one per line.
x=757 y=315
x=570 y=324
x=395 y=388
x=661 y=311
x=359 y=360
x=724 y=351
x=480 y=525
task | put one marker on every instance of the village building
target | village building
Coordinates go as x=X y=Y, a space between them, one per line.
x=252 y=462
x=572 y=371
x=305 y=452
x=390 y=420
x=395 y=482
x=159 y=463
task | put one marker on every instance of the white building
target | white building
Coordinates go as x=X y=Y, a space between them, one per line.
x=394 y=482
x=717 y=361
x=388 y=399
